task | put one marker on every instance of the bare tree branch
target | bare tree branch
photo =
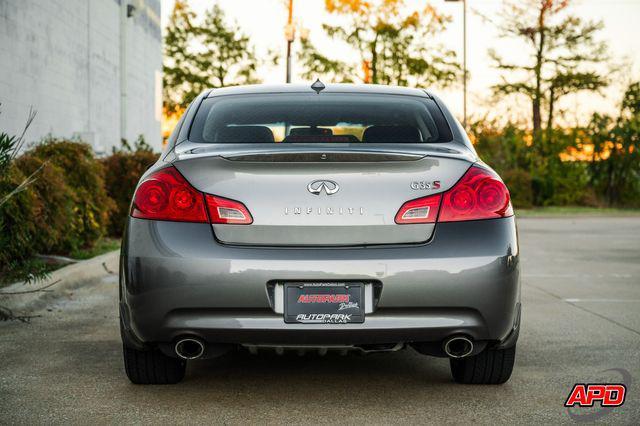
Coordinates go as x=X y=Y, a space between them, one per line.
x=23 y=185
x=7 y=314
x=30 y=117
x=37 y=290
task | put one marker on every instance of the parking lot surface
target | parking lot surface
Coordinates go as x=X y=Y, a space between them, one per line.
x=581 y=323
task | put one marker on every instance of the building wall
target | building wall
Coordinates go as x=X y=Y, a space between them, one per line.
x=62 y=57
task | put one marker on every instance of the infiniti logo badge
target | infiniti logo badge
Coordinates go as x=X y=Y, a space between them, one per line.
x=328 y=186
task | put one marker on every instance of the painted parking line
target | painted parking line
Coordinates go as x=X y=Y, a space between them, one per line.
x=602 y=300
x=614 y=275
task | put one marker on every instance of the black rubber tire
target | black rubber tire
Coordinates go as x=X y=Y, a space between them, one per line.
x=489 y=367
x=152 y=367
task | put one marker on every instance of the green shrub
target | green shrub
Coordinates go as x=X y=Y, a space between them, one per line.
x=123 y=169
x=519 y=184
x=85 y=176
x=617 y=141
x=540 y=171
x=568 y=184
x=503 y=147
x=55 y=233
x=18 y=215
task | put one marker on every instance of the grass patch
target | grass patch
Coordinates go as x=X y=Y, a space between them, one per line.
x=576 y=211
x=39 y=269
x=104 y=245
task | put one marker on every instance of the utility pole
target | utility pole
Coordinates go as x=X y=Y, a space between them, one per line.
x=290 y=33
x=464 y=61
x=123 y=70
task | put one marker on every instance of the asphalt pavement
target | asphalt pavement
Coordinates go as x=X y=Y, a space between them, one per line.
x=581 y=323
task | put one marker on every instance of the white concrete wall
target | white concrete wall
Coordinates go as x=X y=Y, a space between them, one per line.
x=62 y=57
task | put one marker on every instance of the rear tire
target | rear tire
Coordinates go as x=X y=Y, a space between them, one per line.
x=489 y=367
x=152 y=367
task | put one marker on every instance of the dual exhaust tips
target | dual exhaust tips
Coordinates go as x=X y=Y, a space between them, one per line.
x=193 y=348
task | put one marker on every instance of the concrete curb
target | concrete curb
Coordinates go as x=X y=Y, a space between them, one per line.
x=71 y=277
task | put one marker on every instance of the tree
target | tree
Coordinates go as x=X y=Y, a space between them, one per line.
x=563 y=50
x=631 y=100
x=227 y=58
x=203 y=54
x=395 y=45
x=315 y=64
x=615 y=166
x=182 y=80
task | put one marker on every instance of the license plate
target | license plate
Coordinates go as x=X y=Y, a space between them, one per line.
x=324 y=303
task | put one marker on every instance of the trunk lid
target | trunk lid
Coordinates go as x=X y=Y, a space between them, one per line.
x=309 y=196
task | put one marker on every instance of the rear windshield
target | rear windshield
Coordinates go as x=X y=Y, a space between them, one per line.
x=323 y=118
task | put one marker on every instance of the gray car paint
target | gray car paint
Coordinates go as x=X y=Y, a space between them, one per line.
x=286 y=213
x=177 y=278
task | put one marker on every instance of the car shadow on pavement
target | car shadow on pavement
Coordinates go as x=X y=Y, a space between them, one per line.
x=314 y=371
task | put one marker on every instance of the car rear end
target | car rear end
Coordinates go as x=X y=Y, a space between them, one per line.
x=353 y=218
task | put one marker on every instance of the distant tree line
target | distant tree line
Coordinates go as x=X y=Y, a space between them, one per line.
x=596 y=163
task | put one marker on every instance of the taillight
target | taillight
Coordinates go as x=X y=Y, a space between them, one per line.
x=166 y=195
x=223 y=210
x=421 y=210
x=480 y=194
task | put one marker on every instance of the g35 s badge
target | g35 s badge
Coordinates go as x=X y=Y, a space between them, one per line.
x=424 y=185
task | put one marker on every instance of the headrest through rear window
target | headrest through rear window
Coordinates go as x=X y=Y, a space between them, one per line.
x=244 y=134
x=310 y=131
x=398 y=134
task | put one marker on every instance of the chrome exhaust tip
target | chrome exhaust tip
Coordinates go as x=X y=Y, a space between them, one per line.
x=189 y=348
x=458 y=347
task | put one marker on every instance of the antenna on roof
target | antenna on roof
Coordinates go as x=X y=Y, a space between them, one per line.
x=318 y=86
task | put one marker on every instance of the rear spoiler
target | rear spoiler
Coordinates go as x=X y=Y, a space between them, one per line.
x=303 y=156
x=309 y=153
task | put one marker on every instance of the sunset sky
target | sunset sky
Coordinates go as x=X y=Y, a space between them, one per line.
x=264 y=21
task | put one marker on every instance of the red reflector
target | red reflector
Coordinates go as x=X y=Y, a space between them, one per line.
x=223 y=210
x=480 y=194
x=421 y=210
x=166 y=195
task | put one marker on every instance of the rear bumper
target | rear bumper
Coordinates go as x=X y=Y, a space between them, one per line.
x=176 y=280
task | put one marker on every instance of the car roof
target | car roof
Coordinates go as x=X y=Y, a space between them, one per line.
x=306 y=88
